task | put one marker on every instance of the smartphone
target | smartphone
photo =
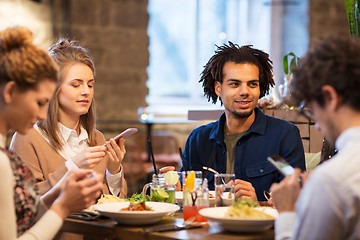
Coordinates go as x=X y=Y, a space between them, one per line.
x=125 y=134
x=283 y=166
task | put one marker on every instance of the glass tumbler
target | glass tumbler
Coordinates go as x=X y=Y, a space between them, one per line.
x=224 y=189
x=159 y=190
x=195 y=196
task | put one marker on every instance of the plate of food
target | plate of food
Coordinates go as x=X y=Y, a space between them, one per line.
x=179 y=197
x=136 y=213
x=242 y=217
x=105 y=198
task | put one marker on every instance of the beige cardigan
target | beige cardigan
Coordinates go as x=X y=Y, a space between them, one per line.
x=47 y=165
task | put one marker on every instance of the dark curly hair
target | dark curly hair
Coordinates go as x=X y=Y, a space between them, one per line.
x=246 y=54
x=334 y=61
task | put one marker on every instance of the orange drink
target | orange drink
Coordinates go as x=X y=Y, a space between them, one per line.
x=195 y=196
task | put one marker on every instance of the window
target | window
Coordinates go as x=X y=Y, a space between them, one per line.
x=183 y=35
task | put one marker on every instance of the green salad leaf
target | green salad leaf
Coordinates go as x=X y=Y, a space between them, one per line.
x=138 y=197
x=245 y=201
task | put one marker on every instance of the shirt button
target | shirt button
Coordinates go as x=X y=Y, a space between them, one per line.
x=261 y=170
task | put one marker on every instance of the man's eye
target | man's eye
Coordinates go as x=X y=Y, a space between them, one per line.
x=234 y=84
x=253 y=84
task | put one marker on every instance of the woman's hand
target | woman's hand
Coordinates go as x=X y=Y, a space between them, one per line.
x=50 y=196
x=115 y=154
x=90 y=157
x=78 y=192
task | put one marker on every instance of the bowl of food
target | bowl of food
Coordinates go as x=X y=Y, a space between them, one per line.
x=242 y=217
x=136 y=213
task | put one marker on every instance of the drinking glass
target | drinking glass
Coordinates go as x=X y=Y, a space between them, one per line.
x=196 y=198
x=159 y=190
x=224 y=189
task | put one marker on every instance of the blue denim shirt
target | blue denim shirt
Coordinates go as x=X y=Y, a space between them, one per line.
x=267 y=136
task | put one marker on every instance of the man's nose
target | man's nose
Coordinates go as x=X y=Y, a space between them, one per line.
x=243 y=89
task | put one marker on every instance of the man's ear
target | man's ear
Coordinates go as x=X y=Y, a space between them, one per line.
x=9 y=90
x=331 y=97
x=217 y=88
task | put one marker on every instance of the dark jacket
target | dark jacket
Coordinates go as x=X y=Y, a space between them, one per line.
x=267 y=136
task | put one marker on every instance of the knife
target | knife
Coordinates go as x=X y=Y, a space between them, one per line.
x=170 y=227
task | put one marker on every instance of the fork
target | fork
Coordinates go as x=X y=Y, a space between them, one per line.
x=213 y=171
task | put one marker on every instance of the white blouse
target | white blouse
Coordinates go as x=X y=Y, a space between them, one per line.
x=74 y=144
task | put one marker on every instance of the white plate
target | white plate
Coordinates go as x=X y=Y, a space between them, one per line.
x=112 y=210
x=239 y=224
x=179 y=198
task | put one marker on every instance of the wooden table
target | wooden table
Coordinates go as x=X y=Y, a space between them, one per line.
x=109 y=229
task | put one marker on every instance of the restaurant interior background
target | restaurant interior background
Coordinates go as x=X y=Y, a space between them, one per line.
x=134 y=42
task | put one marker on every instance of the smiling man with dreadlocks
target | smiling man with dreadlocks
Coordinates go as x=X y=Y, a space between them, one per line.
x=243 y=137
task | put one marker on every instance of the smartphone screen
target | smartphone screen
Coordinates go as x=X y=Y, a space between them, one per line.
x=284 y=167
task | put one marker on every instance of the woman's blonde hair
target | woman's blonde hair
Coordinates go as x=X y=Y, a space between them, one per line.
x=66 y=53
x=23 y=62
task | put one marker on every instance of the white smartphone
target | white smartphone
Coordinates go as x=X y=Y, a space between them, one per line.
x=125 y=134
x=283 y=166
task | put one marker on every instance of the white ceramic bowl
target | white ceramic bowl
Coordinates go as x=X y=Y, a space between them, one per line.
x=240 y=224
x=112 y=210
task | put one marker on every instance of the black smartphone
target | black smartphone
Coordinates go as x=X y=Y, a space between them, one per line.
x=281 y=164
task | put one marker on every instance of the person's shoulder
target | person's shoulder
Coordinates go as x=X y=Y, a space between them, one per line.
x=3 y=156
x=4 y=160
x=31 y=136
x=205 y=128
x=98 y=133
x=5 y=167
x=99 y=136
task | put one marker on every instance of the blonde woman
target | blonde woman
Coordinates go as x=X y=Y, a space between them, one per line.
x=27 y=81
x=68 y=138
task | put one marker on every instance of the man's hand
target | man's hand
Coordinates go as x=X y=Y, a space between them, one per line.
x=285 y=193
x=244 y=189
x=90 y=157
x=115 y=154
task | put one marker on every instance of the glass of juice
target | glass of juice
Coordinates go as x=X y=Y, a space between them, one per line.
x=195 y=196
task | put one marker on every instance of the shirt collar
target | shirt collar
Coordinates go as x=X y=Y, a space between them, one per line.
x=349 y=135
x=67 y=133
x=258 y=126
